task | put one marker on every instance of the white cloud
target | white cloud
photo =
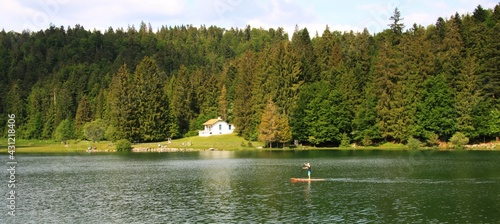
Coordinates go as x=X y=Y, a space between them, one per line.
x=286 y=14
x=315 y=15
x=420 y=18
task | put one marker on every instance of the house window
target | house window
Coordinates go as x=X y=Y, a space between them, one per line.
x=220 y=127
x=229 y=127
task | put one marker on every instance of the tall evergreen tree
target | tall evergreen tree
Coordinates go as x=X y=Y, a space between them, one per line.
x=388 y=76
x=121 y=107
x=181 y=100
x=270 y=124
x=396 y=26
x=365 y=128
x=467 y=97
x=223 y=107
x=83 y=114
x=450 y=52
x=152 y=104
x=243 y=105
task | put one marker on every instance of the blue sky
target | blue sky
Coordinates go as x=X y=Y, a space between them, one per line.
x=346 y=15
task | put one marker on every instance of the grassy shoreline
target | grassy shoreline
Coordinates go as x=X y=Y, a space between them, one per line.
x=230 y=142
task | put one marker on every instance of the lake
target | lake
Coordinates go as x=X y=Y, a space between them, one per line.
x=254 y=186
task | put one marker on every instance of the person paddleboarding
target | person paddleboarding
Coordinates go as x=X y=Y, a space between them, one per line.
x=308 y=167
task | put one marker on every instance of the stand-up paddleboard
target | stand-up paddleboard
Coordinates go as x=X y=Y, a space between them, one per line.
x=295 y=180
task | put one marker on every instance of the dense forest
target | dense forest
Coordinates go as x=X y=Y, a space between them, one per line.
x=341 y=87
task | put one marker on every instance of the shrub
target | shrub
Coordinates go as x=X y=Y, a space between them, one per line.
x=94 y=130
x=64 y=131
x=366 y=141
x=459 y=140
x=432 y=139
x=123 y=145
x=413 y=144
x=344 y=143
x=111 y=133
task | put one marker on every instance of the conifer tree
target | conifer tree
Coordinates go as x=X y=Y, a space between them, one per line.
x=152 y=105
x=270 y=124
x=467 y=97
x=121 y=114
x=396 y=26
x=243 y=105
x=83 y=114
x=284 y=130
x=223 y=103
x=182 y=100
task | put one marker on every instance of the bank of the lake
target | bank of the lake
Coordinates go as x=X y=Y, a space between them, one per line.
x=230 y=142
x=196 y=143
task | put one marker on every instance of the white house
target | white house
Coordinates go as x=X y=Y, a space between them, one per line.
x=216 y=127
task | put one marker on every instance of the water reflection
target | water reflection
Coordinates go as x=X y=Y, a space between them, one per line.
x=223 y=187
x=307 y=193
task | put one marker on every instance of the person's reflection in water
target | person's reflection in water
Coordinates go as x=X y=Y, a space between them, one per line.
x=307 y=192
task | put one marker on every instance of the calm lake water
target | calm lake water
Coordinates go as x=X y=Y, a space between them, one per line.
x=254 y=186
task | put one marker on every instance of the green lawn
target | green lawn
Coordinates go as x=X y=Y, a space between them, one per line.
x=51 y=146
x=221 y=142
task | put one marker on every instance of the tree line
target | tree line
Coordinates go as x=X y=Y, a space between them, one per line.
x=341 y=87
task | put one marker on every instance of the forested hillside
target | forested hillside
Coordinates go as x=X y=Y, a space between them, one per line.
x=145 y=85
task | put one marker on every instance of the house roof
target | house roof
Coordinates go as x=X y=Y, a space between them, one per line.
x=212 y=121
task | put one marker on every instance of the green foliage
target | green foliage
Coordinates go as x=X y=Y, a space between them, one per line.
x=346 y=141
x=313 y=140
x=459 y=140
x=151 y=85
x=123 y=145
x=83 y=114
x=268 y=128
x=64 y=131
x=432 y=139
x=494 y=123
x=436 y=111
x=111 y=133
x=365 y=128
x=366 y=141
x=95 y=130
x=413 y=144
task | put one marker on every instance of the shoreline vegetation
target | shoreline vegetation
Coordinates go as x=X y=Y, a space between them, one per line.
x=230 y=142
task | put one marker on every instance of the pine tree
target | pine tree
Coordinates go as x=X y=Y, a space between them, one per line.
x=99 y=106
x=302 y=46
x=450 y=52
x=243 y=105
x=269 y=125
x=467 y=97
x=388 y=76
x=365 y=128
x=396 y=26
x=121 y=109
x=223 y=103
x=15 y=103
x=284 y=130
x=152 y=105
x=182 y=100
x=83 y=114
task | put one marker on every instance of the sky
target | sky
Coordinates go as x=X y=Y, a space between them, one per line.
x=315 y=15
